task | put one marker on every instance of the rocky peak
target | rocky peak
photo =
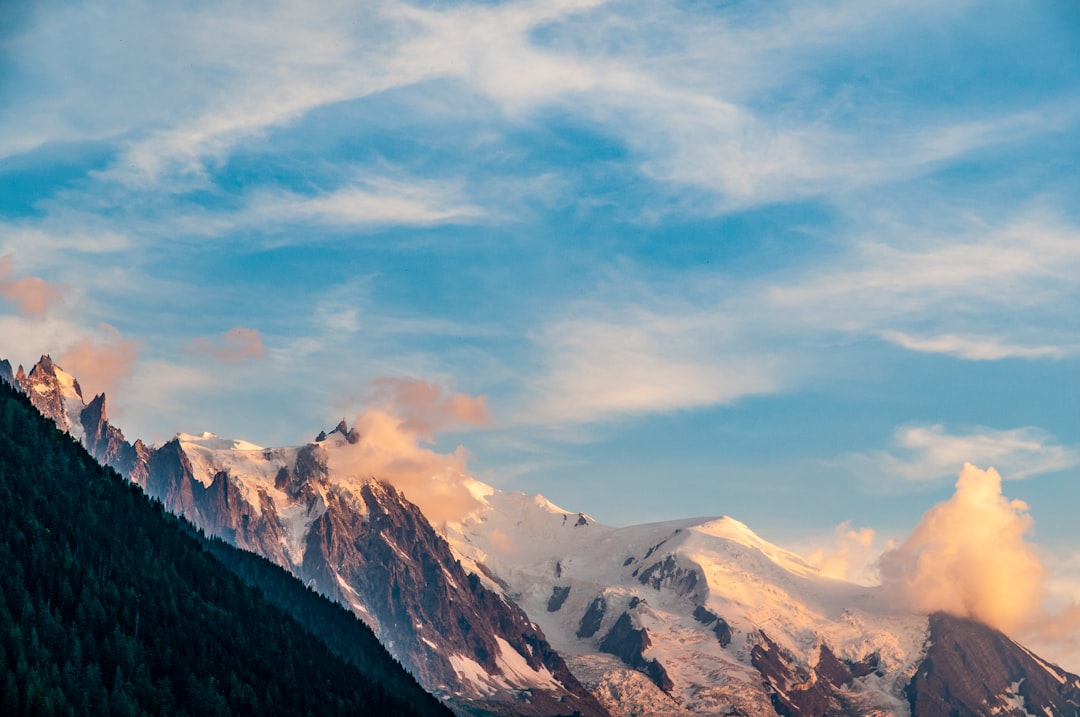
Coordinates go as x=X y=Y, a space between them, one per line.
x=5 y=371
x=972 y=669
x=47 y=392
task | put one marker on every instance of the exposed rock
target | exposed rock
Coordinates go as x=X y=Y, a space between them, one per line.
x=629 y=643
x=5 y=371
x=971 y=670
x=795 y=690
x=581 y=520
x=107 y=444
x=865 y=666
x=720 y=627
x=558 y=597
x=590 y=621
x=668 y=573
x=424 y=605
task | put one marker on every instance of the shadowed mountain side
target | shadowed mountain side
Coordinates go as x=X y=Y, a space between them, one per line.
x=111 y=605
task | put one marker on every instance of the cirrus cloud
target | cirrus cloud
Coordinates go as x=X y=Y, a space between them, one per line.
x=924 y=453
x=235 y=345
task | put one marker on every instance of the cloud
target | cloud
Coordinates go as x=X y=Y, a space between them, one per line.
x=427 y=408
x=636 y=361
x=101 y=365
x=931 y=452
x=850 y=557
x=710 y=337
x=971 y=348
x=376 y=202
x=236 y=345
x=387 y=449
x=969 y=556
x=964 y=273
x=33 y=295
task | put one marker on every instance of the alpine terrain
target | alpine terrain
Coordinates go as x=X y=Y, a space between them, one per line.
x=512 y=605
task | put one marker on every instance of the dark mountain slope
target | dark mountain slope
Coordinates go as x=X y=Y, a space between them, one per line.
x=971 y=670
x=110 y=605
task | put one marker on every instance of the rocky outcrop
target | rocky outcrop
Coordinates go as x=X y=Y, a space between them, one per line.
x=824 y=689
x=971 y=670
x=716 y=623
x=594 y=615
x=43 y=387
x=629 y=643
x=669 y=573
x=108 y=445
x=558 y=597
x=431 y=614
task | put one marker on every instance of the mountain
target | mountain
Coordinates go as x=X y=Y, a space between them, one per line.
x=517 y=606
x=110 y=605
x=353 y=538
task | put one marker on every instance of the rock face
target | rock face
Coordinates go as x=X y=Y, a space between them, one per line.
x=629 y=643
x=360 y=542
x=435 y=617
x=971 y=670
x=698 y=617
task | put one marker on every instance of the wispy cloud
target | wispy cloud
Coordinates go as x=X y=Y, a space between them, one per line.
x=102 y=363
x=637 y=362
x=711 y=338
x=373 y=202
x=924 y=453
x=31 y=294
x=235 y=345
x=971 y=348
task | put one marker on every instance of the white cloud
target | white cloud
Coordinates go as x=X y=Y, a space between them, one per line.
x=931 y=452
x=971 y=348
x=375 y=201
x=708 y=339
x=637 y=362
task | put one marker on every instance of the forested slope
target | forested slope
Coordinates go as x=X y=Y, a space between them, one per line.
x=110 y=605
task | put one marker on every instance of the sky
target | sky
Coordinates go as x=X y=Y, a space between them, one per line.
x=793 y=262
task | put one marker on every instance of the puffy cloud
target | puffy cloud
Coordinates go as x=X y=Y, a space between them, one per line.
x=969 y=556
x=426 y=408
x=235 y=345
x=849 y=557
x=100 y=365
x=33 y=295
x=387 y=448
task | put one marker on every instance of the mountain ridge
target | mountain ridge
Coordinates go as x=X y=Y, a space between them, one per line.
x=109 y=604
x=695 y=616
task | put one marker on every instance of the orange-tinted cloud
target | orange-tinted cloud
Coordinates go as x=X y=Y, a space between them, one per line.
x=387 y=449
x=32 y=294
x=100 y=365
x=235 y=345
x=426 y=408
x=968 y=556
x=847 y=559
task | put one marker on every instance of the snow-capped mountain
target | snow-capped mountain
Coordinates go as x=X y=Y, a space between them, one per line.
x=517 y=606
x=351 y=537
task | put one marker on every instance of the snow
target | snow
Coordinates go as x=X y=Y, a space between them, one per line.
x=213 y=442
x=752 y=584
x=531 y=546
x=513 y=664
x=1044 y=664
x=473 y=673
x=1012 y=701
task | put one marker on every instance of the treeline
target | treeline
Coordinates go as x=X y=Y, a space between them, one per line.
x=110 y=605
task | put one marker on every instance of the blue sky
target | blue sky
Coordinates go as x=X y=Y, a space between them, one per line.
x=792 y=262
